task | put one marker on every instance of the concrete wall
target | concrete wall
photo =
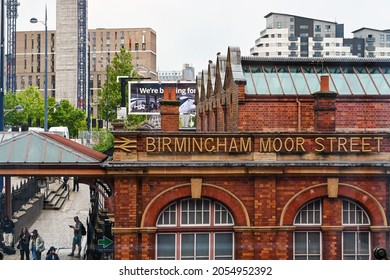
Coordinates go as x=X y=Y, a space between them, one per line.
x=66 y=45
x=28 y=214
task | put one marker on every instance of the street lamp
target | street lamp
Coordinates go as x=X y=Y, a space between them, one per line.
x=2 y=68
x=17 y=108
x=54 y=106
x=34 y=20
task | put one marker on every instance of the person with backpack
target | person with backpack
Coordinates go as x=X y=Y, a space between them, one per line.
x=77 y=236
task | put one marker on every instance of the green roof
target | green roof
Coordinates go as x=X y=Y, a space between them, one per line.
x=44 y=148
x=302 y=76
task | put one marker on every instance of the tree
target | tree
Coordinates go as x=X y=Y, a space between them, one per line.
x=68 y=115
x=32 y=103
x=120 y=66
x=106 y=141
x=33 y=111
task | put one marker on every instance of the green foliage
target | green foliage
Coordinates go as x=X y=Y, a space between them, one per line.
x=70 y=116
x=120 y=66
x=132 y=122
x=31 y=101
x=33 y=108
x=106 y=141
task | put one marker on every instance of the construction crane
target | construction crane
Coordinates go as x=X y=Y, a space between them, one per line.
x=82 y=54
x=12 y=14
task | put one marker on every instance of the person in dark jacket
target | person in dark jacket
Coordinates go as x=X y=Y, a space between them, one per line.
x=51 y=254
x=7 y=226
x=75 y=184
x=24 y=244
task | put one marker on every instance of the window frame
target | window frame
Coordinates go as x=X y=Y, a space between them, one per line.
x=307 y=254
x=356 y=254
x=224 y=226
x=308 y=227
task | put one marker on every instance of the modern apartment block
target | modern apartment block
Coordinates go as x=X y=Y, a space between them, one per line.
x=377 y=42
x=62 y=70
x=294 y=36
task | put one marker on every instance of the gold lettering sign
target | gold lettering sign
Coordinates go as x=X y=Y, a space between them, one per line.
x=297 y=144
x=198 y=145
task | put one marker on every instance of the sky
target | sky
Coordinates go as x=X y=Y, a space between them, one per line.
x=194 y=32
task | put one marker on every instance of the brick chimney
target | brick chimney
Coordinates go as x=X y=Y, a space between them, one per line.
x=169 y=110
x=325 y=107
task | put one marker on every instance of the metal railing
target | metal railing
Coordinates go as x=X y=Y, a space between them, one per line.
x=21 y=193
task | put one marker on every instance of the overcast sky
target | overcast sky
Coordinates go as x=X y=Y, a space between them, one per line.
x=194 y=31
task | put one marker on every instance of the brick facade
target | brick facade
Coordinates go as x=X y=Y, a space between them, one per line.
x=264 y=158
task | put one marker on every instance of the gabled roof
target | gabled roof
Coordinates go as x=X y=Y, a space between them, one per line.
x=44 y=148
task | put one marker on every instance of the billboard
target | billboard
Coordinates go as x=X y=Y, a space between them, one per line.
x=144 y=97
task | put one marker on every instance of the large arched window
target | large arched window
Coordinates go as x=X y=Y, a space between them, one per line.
x=356 y=234
x=307 y=243
x=195 y=229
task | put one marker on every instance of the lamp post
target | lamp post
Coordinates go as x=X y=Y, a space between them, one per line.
x=17 y=108
x=2 y=68
x=34 y=20
x=107 y=97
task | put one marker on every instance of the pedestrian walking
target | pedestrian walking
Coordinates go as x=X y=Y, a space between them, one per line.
x=24 y=244
x=76 y=237
x=75 y=184
x=65 y=182
x=37 y=245
x=7 y=226
x=51 y=254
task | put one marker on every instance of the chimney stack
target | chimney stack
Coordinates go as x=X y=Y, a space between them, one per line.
x=325 y=107
x=169 y=110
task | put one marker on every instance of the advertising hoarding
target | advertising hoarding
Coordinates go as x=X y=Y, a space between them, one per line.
x=145 y=96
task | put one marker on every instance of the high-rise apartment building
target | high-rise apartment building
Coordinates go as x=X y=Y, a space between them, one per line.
x=294 y=36
x=376 y=42
x=62 y=58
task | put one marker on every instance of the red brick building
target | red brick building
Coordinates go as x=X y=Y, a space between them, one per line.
x=290 y=160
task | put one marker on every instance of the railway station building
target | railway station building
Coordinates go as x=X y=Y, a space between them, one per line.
x=289 y=161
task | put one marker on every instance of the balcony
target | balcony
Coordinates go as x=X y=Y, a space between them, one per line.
x=293 y=54
x=318 y=48
x=318 y=38
x=254 y=51
x=292 y=38
x=370 y=39
x=293 y=47
x=370 y=48
x=258 y=42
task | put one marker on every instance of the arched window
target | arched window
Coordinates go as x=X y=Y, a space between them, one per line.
x=356 y=235
x=307 y=243
x=195 y=229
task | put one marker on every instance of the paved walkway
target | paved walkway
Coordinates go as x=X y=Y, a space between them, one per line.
x=53 y=225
